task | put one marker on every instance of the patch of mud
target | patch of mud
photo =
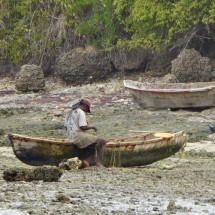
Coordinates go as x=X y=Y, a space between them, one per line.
x=189 y=187
x=171 y=186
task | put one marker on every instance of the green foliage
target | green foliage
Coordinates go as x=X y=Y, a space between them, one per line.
x=37 y=28
x=26 y=27
x=156 y=23
x=95 y=20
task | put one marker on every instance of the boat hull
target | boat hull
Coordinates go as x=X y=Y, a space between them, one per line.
x=125 y=152
x=37 y=153
x=144 y=154
x=178 y=95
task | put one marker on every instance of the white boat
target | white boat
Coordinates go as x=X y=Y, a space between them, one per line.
x=172 y=95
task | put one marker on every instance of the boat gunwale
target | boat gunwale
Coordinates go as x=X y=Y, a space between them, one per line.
x=166 y=90
x=62 y=141
x=111 y=142
x=40 y=139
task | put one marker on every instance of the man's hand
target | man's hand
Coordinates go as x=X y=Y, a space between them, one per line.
x=94 y=128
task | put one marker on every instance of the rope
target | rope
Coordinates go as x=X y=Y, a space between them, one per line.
x=114 y=162
x=114 y=156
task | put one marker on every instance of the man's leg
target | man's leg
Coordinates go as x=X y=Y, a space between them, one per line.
x=86 y=162
x=87 y=154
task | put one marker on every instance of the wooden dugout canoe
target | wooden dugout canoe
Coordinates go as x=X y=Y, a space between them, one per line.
x=172 y=95
x=129 y=151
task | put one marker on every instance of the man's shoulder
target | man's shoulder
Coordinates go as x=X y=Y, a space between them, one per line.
x=80 y=111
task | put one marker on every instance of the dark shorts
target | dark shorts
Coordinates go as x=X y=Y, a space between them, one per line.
x=87 y=151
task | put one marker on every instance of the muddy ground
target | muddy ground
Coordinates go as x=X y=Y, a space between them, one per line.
x=182 y=184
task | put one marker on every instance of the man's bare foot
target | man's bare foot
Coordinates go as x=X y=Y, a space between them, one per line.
x=110 y=168
x=85 y=164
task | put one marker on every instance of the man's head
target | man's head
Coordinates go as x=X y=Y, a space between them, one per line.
x=85 y=105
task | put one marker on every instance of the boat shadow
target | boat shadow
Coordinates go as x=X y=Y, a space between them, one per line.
x=192 y=109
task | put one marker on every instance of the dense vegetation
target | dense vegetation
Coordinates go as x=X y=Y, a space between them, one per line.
x=35 y=29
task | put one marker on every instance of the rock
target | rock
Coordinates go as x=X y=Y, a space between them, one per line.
x=2 y=132
x=72 y=163
x=169 y=78
x=63 y=198
x=30 y=78
x=45 y=173
x=190 y=66
x=83 y=66
x=212 y=137
x=171 y=206
x=125 y=61
x=161 y=62
x=57 y=113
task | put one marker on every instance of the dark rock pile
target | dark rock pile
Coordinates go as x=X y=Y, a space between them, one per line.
x=30 y=78
x=82 y=66
x=45 y=173
x=190 y=66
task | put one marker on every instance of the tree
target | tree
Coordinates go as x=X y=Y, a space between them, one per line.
x=28 y=29
x=157 y=24
x=37 y=29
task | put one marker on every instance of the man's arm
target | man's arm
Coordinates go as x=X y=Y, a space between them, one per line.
x=83 y=122
x=88 y=127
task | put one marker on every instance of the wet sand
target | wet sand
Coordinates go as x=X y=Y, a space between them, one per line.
x=171 y=186
x=181 y=184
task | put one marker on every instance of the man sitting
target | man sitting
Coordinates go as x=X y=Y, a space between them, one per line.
x=77 y=126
